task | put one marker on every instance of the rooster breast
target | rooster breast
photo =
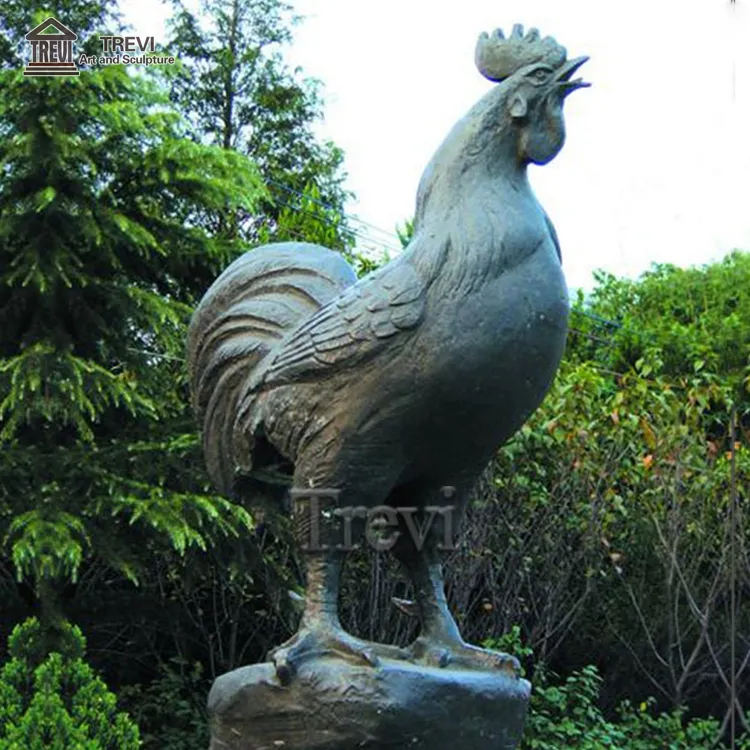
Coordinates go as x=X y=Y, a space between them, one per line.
x=478 y=367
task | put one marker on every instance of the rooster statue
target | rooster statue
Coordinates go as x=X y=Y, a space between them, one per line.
x=385 y=391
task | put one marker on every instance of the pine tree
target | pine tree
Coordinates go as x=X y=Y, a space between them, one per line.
x=54 y=701
x=239 y=94
x=104 y=202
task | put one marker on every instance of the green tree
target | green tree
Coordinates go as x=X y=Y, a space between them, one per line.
x=103 y=250
x=238 y=93
x=307 y=219
x=54 y=701
x=677 y=321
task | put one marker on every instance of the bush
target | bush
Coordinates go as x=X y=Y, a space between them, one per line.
x=55 y=701
x=566 y=716
x=171 y=709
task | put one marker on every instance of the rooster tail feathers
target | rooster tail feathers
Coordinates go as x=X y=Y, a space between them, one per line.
x=262 y=296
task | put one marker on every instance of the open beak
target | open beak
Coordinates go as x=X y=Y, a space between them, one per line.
x=563 y=79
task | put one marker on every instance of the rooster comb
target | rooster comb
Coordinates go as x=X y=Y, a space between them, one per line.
x=497 y=58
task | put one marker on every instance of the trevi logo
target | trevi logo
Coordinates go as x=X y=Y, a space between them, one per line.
x=52 y=51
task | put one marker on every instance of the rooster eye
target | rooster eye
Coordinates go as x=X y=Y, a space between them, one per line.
x=541 y=75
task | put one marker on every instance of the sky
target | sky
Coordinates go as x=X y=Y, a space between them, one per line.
x=656 y=167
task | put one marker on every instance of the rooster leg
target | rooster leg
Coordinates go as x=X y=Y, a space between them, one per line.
x=440 y=643
x=320 y=632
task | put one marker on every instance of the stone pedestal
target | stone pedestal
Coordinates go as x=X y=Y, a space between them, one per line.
x=333 y=705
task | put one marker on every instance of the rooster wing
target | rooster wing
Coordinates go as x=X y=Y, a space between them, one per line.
x=352 y=328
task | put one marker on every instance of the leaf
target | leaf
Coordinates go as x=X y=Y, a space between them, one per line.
x=648 y=434
x=44 y=197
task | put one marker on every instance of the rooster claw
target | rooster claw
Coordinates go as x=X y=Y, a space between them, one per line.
x=285 y=670
x=438 y=657
x=461 y=655
x=309 y=643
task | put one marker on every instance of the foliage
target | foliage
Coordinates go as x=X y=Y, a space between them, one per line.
x=307 y=219
x=102 y=254
x=238 y=93
x=565 y=714
x=170 y=710
x=678 y=322
x=405 y=232
x=631 y=453
x=54 y=701
x=638 y=538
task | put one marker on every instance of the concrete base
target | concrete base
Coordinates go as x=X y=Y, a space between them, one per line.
x=331 y=704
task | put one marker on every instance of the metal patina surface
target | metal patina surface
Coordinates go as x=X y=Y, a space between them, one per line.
x=381 y=393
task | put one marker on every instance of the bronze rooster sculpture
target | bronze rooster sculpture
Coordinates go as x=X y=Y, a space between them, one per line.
x=386 y=390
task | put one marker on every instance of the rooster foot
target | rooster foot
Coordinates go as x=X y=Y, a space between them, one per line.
x=460 y=655
x=311 y=642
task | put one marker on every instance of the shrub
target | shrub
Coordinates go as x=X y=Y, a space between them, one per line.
x=566 y=716
x=55 y=701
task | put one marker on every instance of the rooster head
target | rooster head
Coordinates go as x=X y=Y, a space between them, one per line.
x=536 y=77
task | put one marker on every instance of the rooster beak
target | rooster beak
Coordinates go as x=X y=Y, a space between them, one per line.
x=562 y=80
